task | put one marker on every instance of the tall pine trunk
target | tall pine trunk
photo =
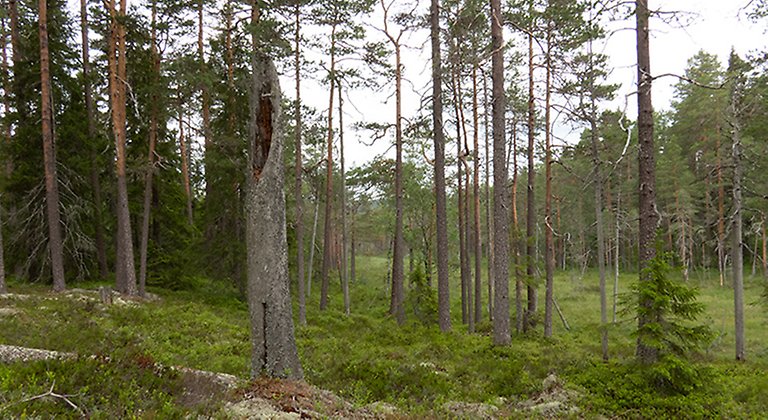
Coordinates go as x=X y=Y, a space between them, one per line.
x=184 y=152
x=488 y=219
x=476 y=195
x=646 y=352
x=397 y=302
x=530 y=217
x=501 y=332
x=205 y=99
x=327 y=236
x=443 y=285
x=148 y=176
x=549 y=257
x=55 y=244
x=298 y=173
x=737 y=252
x=125 y=271
x=101 y=250
x=344 y=277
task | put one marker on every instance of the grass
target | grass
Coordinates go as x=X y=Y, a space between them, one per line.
x=366 y=357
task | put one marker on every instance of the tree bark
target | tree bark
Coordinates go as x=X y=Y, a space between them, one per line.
x=184 y=152
x=549 y=248
x=488 y=220
x=55 y=243
x=125 y=271
x=720 y=215
x=148 y=176
x=312 y=244
x=501 y=332
x=7 y=139
x=476 y=193
x=530 y=251
x=646 y=353
x=101 y=250
x=298 y=193
x=765 y=248
x=327 y=239
x=600 y=229
x=460 y=204
x=205 y=98
x=344 y=277
x=443 y=285
x=737 y=253
x=397 y=303
x=274 y=347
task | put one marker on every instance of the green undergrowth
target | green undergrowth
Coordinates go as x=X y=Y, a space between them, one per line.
x=366 y=357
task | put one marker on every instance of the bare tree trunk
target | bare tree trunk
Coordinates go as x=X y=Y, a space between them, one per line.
x=737 y=253
x=352 y=251
x=183 y=150
x=549 y=248
x=55 y=244
x=298 y=193
x=274 y=347
x=478 y=238
x=488 y=220
x=600 y=232
x=397 y=304
x=328 y=180
x=3 y=287
x=765 y=247
x=468 y=235
x=125 y=271
x=530 y=251
x=519 y=283
x=312 y=244
x=344 y=278
x=153 y=127
x=646 y=353
x=720 y=215
x=7 y=139
x=205 y=98
x=443 y=285
x=617 y=256
x=460 y=197
x=501 y=332
x=101 y=251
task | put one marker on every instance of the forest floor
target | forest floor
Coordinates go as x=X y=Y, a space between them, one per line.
x=362 y=365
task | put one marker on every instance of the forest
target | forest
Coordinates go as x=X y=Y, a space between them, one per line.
x=520 y=234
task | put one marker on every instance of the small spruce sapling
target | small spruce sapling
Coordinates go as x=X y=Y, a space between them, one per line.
x=672 y=310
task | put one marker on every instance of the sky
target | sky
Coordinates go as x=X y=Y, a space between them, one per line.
x=715 y=26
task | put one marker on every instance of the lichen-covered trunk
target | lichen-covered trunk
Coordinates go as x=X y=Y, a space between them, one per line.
x=274 y=347
x=501 y=332
x=55 y=244
x=646 y=353
x=443 y=285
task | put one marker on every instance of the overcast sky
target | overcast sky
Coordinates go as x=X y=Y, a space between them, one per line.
x=715 y=26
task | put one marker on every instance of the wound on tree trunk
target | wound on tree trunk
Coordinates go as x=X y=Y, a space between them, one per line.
x=273 y=344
